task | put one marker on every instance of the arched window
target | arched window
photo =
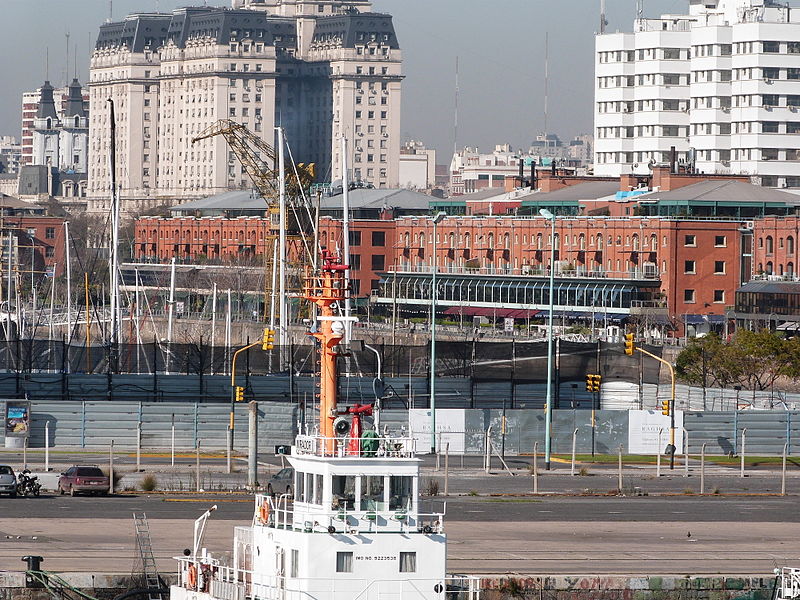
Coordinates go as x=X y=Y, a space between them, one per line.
x=780 y=269
x=790 y=269
x=790 y=245
x=451 y=240
x=77 y=121
x=49 y=123
x=506 y=241
x=635 y=242
x=653 y=242
x=769 y=267
x=490 y=241
x=581 y=242
x=467 y=240
x=769 y=248
x=406 y=239
x=599 y=241
x=538 y=241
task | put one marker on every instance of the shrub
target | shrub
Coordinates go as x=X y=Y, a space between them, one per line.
x=149 y=483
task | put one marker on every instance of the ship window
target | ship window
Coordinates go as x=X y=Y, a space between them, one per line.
x=400 y=492
x=299 y=485
x=295 y=563
x=317 y=489
x=309 y=489
x=408 y=562
x=344 y=560
x=372 y=493
x=344 y=491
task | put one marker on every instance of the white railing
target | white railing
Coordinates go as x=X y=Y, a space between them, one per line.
x=281 y=514
x=789 y=583
x=230 y=583
x=562 y=271
x=366 y=447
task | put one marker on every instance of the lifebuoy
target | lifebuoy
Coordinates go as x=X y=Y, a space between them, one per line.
x=192 y=577
x=263 y=512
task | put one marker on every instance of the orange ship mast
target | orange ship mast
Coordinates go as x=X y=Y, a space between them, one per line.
x=327 y=290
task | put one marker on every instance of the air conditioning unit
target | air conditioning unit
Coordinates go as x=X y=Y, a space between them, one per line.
x=767 y=80
x=750 y=224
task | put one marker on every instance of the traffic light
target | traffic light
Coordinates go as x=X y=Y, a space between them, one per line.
x=665 y=407
x=593 y=383
x=239 y=394
x=268 y=341
x=629 y=344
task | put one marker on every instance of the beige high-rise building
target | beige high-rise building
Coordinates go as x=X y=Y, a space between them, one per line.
x=321 y=69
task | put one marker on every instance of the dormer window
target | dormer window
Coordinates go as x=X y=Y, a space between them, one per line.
x=49 y=123
x=77 y=121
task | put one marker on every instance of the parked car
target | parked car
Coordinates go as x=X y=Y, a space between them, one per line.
x=281 y=481
x=87 y=479
x=8 y=481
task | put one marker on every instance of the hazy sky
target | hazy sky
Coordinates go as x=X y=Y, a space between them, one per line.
x=500 y=45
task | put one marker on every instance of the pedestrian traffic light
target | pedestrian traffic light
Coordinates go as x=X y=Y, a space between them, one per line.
x=239 y=393
x=268 y=341
x=629 y=347
x=665 y=407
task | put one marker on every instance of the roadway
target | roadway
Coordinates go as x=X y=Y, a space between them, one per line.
x=638 y=535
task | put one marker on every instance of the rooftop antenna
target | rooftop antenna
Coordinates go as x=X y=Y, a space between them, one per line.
x=639 y=9
x=47 y=63
x=603 y=21
x=455 y=123
x=76 y=60
x=546 y=76
x=110 y=10
x=66 y=62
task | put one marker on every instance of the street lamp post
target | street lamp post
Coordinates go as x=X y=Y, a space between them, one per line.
x=437 y=218
x=549 y=398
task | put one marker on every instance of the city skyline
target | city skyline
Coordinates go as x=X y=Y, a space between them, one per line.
x=501 y=84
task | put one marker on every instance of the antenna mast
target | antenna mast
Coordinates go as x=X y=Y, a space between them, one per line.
x=546 y=76
x=455 y=122
x=603 y=21
x=639 y=9
x=66 y=62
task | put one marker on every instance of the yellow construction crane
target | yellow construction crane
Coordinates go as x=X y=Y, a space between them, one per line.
x=260 y=162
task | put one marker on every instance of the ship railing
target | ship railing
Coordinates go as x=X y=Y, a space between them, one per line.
x=363 y=447
x=789 y=583
x=280 y=513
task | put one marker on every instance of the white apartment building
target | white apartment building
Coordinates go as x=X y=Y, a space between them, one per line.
x=720 y=85
x=321 y=70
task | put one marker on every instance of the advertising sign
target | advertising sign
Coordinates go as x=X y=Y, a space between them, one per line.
x=17 y=418
x=450 y=429
x=643 y=431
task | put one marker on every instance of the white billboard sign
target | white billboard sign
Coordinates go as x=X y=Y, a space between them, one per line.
x=643 y=431
x=450 y=429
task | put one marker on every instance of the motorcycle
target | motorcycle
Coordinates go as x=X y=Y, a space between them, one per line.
x=27 y=484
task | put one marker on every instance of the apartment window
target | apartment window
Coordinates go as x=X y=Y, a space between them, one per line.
x=378 y=238
x=719 y=267
x=720 y=241
x=690 y=240
x=689 y=266
x=408 y=562
x=344 y=562
x=355 y=238
x=769 y=127
x=50 y=233
x=378 y=262
x=770 y=99
x=232 y=112
x=719 y=296
x=49 y=252
x=769 y=154
x=688 y=296
x=771 y=73
x=771 y=47
x=355 y=262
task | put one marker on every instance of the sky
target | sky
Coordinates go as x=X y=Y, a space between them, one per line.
x=499 y=45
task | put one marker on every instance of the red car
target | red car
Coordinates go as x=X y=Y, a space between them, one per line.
x=83 y=479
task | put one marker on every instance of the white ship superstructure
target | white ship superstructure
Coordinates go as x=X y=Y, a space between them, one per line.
x=353 y=527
